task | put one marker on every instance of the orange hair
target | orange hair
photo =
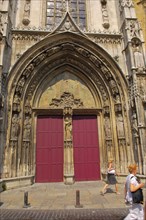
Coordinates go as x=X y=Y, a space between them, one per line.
x=132 y=167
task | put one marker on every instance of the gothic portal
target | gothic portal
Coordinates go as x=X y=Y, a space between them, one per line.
x=75 y=97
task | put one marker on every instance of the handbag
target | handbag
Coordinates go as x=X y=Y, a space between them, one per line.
x=137 y=196
x=112 y=171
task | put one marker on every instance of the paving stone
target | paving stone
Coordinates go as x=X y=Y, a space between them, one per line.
x=85 y=214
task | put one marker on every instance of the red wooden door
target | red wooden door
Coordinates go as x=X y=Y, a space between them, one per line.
x=49 y=149
x=86 y=149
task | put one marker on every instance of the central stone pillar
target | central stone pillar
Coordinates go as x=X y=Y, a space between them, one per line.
x=68 y=147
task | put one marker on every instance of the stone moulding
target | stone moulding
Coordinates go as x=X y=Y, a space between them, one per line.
x=26 y=34
x=17 y=182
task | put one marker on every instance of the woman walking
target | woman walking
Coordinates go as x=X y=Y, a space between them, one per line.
x=136 y=211
x=111 y=178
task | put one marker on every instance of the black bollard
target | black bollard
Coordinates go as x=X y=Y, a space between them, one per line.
x=26 y=204
x=78 y=205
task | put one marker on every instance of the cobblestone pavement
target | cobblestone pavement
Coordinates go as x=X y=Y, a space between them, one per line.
x=57 y=201
x=80 y=214
x=56 y=196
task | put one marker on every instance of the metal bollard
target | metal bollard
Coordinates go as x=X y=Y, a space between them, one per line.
x=26 y=204
x=78 y=205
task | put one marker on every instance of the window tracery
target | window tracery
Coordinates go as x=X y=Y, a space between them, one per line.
x=57 y=8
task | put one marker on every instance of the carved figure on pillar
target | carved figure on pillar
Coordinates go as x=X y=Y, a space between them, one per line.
x=27 y=128
x=120 y=125
x=68 y=146
x=13 y=145
x=16 y=103
x=138 y=59
x=113 y=86
x=134 y=29
x=68 y=128
x=142 y=92
x=20 y=85
x=27 y=107
x=26 y=14
x=15 y=127
x=105 y=14
x=28 y=70
x=107 y=127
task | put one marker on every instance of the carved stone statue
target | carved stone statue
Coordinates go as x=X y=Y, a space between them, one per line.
x=105 y=17
x=27 y=108
x=68 y=128
x=26 y=14
x=20 y=85
x=138 y=58
x=15 y=127
x=28 y=70
x=27 y=128
x=107 y=127
x=120 y=125
x=133 y=27
x=16 y=103
x=113 y=86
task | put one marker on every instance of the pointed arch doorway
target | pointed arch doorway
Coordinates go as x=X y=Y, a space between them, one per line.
x=80 y=159
x=65 y=95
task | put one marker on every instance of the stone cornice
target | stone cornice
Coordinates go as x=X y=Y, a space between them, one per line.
x=47 y=31
x=39 y=34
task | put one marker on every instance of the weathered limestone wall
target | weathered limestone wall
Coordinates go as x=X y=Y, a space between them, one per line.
x=107 y=36
x=140 y=8
x=50 y=68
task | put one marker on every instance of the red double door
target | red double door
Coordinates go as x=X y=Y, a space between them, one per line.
x=49 y=149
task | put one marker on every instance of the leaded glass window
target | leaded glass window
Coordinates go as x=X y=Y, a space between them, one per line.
x=57 y=8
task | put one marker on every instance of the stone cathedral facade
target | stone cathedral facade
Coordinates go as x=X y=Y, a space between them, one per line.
x=72 y=90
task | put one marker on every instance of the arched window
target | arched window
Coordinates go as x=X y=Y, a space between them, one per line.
x=57 y=8
x=78 y=12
